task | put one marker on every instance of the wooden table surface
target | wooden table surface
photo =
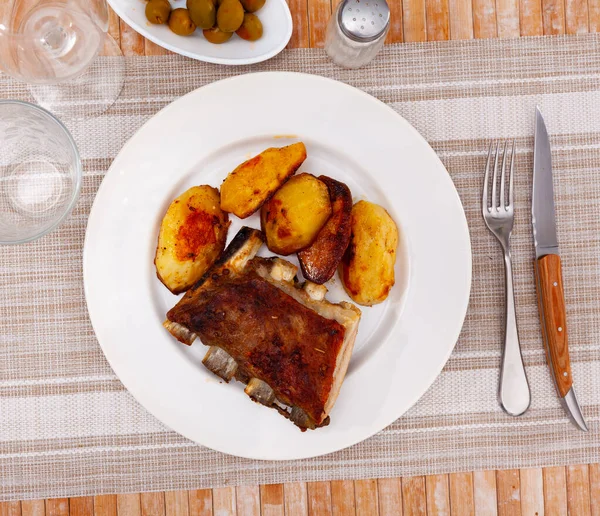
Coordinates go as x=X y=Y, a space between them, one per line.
x=573 y=490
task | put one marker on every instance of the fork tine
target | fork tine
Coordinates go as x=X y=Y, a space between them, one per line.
x=502 y=203
x=510 y=184
x=495 y=179
x=484 y=196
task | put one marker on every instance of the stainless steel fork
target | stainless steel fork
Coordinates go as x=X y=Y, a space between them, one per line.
x=498 y=213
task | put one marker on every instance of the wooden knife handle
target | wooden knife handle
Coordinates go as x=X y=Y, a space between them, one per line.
x=551 y=301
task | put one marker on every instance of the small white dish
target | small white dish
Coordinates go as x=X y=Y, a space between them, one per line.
x=275 y=16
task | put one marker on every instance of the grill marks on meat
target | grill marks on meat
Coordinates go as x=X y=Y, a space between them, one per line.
x=266 y=332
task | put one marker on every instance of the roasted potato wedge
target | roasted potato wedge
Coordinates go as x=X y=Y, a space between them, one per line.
x=321 y=258
x=367 y=268
x=191 y=238
x=246 y=188
x=293 y=217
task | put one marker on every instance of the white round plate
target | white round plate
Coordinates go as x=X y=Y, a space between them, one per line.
x=274 y=15
x=402 y=343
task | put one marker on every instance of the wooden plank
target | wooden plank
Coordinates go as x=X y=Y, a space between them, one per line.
x=484 y=19
x=576 y=16
x=319 y=12
x=389 y=492
x=57 y=507
x=532 y=491
x=342 y=498
x=508 y=489
x=365 y=496
x=553 y=17
x=81 y=506
x=319 y=498
x=295 y=499
x=461 y=19
x=176 y=503
x=152 y=504
x=114 y=26
x=461 y=494
x=105 y=505
x=152 y=49
x=129 y=505
x=396 y=33
x=247 y=500
x=224 y=501
x=555 y=490
x=507 y=16
x=595 y=489
x=300 y=32
x=438 y=20
x=414 y=16
x=200 y=502
x=34 y=508
x=414 y=499
x=437 y=488
x=484 y=493
x=594 y=15
x=132 y=43
x=530 y=15
x=578 y=490
x=10 y=508
x=272 y=500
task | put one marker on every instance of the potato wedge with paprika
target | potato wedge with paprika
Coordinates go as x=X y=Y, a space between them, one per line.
x=253 y=182
x=293 y=217
x=192 y=236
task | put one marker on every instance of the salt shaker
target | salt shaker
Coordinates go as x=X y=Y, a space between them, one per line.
x=356 y=32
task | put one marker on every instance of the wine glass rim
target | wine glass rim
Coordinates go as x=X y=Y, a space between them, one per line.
x=78 y=172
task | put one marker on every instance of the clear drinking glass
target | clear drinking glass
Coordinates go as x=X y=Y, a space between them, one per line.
x=40 y=172
x=53 y=46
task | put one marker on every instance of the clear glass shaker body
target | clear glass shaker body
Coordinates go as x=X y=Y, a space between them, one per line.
x=356 y=32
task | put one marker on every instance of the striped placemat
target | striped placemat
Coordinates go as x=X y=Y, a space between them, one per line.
x=67 y=425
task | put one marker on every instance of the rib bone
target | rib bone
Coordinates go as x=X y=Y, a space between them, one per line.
x=260 y=392
x=220 y=363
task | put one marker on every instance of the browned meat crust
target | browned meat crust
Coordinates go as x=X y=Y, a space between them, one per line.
x=272 y=336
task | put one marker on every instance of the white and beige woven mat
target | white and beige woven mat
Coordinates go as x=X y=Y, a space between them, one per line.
x=67 y=425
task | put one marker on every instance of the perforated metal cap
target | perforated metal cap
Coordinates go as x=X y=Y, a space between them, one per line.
x=364 y=20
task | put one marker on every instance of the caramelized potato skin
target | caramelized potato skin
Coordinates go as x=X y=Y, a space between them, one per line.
x=320 y=259
x=192 y=236
x=367 y=268
x=253 y=182
x=293 y=217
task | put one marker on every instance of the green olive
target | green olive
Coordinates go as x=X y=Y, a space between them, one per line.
x=230 y=15
x=203 y=13
x=216 y=35
x=157 y=11
x=251 y=6
x=251 y=28
x=181 y=23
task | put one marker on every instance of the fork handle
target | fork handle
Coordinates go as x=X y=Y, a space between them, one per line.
x=513 y=392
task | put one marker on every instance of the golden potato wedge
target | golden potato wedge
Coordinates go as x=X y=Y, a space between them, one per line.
x=293 y=217
x=367 y=268
x=191 y=238
x=246 y=188
x=321 y=258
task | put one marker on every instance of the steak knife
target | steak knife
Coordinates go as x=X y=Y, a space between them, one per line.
x=548 y=272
